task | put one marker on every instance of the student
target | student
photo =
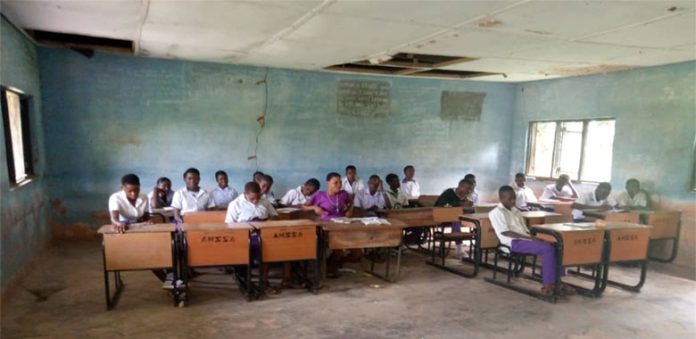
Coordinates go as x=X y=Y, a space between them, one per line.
x=634 y=197
x=524 y=194
x=258 y=175
x=598 y=199
x=223 y=194
x=128 y=205
x=191 y=198
x=510 y=227
x=457 y=197
x=373 y=198
x=474 y=192
x=409 y=185
x=300 y=195
x=162 y=195
x=266 y=192
x=562 y=189
x=352 y=183
x=397 y=198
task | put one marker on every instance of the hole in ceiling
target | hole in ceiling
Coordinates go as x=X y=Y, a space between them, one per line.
x=81 y=43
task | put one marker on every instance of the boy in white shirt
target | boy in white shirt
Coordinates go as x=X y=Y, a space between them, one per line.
x=300 y=195
x=371 y=199
x=409 y=185
x=266 y=183
x=634 y=197
x=511 y=229
x=351 y=183
x=562 y=189
x=128 y=205
x=249 y=206
x=524 y=194
x=191 y=198
x=598 y=199
x=223 y=194
x=396 y=198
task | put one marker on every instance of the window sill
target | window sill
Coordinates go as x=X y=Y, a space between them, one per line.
x=22 y=183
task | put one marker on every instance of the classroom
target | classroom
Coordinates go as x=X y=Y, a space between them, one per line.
x=348 y=169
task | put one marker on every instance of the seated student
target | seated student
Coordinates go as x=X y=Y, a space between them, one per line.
x=334 y=203
x=511 y=229
x=371 y=199
x=223 y=194
x=191 y=198
x=300 y=195
x=258 y=175
x=351 y=183
x=562 y=189
x=524 y=194
x=397 y=198
x=161 y=196
x=598 y=199
x=128 y=205
x=634 y=197
x=409 y=185
x=474 y=195
x=266 y=192
x=457 y=197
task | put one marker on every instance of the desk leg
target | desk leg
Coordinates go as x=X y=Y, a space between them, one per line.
x=111 y=301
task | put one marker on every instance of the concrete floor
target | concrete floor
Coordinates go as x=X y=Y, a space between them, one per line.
x=64 y=297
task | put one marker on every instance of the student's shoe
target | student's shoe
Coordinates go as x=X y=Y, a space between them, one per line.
x=168 y=283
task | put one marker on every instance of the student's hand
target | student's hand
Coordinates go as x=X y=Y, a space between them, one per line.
x=320 y=211
x=468 y=204
x=605 y=207
x=120 y=227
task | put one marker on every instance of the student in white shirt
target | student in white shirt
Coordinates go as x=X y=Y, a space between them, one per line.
x=371 y=199
x=474 y=195
x=634 y=197
x=511 y=229
x=351 y=183
x=249 y=206
x=524 y=194
x=396 y=198
x=191 y=198
x=599 y=199
x=563 y=188
x=128 y=205
x=300 y=195
x=162 y=195
x=223 y=194
x=266 y=193
x=409 y=185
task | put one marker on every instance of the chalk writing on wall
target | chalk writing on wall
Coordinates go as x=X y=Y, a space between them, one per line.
x=361 y=98
x=461 y=105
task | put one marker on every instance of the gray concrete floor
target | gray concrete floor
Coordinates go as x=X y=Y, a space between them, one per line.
x=64 y=297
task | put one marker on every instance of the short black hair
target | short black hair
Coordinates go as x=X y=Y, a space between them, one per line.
x=465 y=181
x=407 y=167
x=519 y=175
x=504 y=189
x=604 y=185
x=313 y=182
x=375 y=176
x=163 y=179
x=267 y=178
x=632 y=180
x=469 y=176
x=331 y=175
x=252 y=187
x=130 y=179
x=391 y=176
x=192 y=170
x=256 y=173
x=219 y=173
x=351 y=167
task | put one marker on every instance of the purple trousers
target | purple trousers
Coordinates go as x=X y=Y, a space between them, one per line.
x=545 y=250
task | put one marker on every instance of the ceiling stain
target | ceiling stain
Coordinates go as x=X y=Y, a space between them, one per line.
x=569 y=71
x=537 y=32
x=490 y=22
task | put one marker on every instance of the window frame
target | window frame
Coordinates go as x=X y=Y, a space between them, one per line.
x=556 y=150
x=25 y=102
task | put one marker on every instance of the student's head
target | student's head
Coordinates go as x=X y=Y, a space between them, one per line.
x=393 y=181
x=602 y=191
x=471 y=178
x=351 y=172
x=632 y=186
x=130 y=184
x=333 y=183
x=373 y=183
x=562 y=180
x=464 y=188
x=164 y=184
x=507 y=196
x=252 y=192
x=258 y=175
x=520 y=179
x=266 y=183
x=221 y=178
x=409 y=172
x=192 y=177
x=310 y=186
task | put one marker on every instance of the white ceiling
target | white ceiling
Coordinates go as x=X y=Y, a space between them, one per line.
x=526 y=40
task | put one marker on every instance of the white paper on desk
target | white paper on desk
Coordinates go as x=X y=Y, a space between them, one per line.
x=287 y=209
x=582 y=224
x=341 y=220
x=168 y=208
x=372 y=221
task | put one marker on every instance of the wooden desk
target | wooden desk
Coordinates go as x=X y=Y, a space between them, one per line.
x=666 y=225
x=543 y=217
x=216 y=244
x=427 y=200
x=287 y=240
x=614 y=215
x=484 y=207
x=559 y=206
x=293 y=213
x=412 y=217
x=139 y=248
x=205 y=217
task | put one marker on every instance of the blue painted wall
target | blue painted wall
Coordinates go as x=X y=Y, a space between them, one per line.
x=655 y=111
x=24 y=209
x=110 y=115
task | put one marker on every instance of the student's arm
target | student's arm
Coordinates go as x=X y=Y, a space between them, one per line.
x=154 y=199
x=177 y=204
x=572 y=188
x=118 y=225
x=387 y=201
x=211 y=203
x=512 y=234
